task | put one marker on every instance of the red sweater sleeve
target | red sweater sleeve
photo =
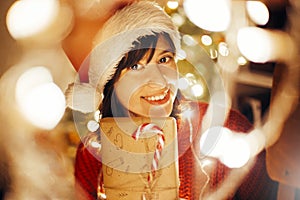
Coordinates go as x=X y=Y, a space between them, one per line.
x=87 y=169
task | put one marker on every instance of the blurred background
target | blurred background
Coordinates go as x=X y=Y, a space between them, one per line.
x=252 y=47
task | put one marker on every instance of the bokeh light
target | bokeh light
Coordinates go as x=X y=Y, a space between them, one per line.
x=223 y=49
x=189 y=40
x=40 y=100
x=206 y=40
x=237 y=152
x=173 y=4
x=211 y=15
x=255 y=44
x=258 y=12
x=230 y=148
x=197 y=90
x=242 y=61
x=26 y=18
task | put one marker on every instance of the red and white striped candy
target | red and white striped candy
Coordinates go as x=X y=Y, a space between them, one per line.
x=148 y=127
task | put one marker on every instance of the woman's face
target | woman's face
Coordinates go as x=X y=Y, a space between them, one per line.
x=149 y=88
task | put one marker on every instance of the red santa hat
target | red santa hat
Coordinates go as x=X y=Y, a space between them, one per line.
x=112 y=42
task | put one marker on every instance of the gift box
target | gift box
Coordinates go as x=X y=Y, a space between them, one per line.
x=128 y=159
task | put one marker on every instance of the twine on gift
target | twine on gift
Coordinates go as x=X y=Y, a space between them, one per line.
x=148 y=127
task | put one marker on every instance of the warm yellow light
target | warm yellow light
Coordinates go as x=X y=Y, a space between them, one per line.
x=255 y=44
x=92 y=125
x=197 y=90
x=261 y=45
x=214 y=140
x=172 y=4
x=237 y=152
x=223 y=49
x=258 y=12
x=97 y=115
x=189 y=40
x=241 y=61
x=211 y=15
x=213 y=53
x=206 y=40
x=190 y=76
x=40 y=100
x=26 y=18
x=32 y=78
x=231 y=149
x=177 y=19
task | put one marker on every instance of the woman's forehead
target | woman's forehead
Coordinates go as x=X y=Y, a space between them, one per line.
x=163 y=44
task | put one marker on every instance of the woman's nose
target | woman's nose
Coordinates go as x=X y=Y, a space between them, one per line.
x=155 y=76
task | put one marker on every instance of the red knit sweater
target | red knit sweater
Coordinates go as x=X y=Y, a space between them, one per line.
x=256 y=185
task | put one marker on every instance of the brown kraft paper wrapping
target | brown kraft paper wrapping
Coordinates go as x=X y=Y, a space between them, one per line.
x=127 y=162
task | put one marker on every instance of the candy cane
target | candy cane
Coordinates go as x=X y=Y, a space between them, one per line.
x=147 y=127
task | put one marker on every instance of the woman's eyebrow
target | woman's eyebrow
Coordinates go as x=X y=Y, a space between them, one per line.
x=167 y=51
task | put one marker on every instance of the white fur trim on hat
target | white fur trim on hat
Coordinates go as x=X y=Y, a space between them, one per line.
x=113 y=42
x=82 y=97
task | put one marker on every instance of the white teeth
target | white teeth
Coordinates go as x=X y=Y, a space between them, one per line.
x=158 y=97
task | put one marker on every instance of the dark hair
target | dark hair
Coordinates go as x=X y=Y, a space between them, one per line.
x=110 y=106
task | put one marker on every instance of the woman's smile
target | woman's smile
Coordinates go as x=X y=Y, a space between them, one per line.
x=159 y=98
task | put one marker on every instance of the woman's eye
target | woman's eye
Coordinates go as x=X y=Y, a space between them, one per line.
x=136 y=67
x=165 y=59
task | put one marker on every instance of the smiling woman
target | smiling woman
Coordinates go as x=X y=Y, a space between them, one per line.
x=133 y=76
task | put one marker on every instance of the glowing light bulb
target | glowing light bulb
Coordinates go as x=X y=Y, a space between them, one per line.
x=40 y=100
x=241 y=61
x=173 y=4
x=223 y=49
x=206 y=40
x=29 y=17
x=190 y=76
x=97 y=115
x=92 y=125
x=211 y=15
x=197 y=90
x=258 y=12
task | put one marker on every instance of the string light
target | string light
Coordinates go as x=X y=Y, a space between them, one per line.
x=241 y=61
x=197 y=90
x=223 y=49
x=173 y=4
x=213 y=53
x=206 y=40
